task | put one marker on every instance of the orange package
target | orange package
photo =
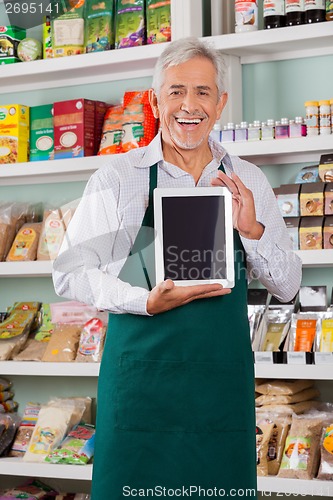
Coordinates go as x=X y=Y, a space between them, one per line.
x=139 y=125
x=305 y=334
x=112 y=131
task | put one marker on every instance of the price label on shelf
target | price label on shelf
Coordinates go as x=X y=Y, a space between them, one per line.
x=296 y=358
x=323 y=358
x=263 y=357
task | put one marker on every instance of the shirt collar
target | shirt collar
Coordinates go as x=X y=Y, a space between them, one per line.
x=153 y=154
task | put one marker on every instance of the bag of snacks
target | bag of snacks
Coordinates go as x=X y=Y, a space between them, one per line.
x=77 y=448
x=264 y=427
x=283 y=387
x=139 y=123
x=112 y=131
x=91 y=342
x=326 y=453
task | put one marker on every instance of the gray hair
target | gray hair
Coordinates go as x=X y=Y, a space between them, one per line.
x=181 y=51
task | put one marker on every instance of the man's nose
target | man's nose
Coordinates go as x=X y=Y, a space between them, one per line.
x=189 y=103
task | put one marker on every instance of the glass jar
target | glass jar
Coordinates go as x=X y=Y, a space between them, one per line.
x=254 y=132
x=312 y=117
x=282 y=129
x=228 y=133
x=324 y=117
x=246 y=15
x=297 y=127
x=241 y=132
x=268 y=130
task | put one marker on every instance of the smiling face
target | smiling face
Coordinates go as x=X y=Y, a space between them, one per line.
x=188 y=105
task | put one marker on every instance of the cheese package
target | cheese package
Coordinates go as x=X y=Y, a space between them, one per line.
x=14 y=133
x=25 y=244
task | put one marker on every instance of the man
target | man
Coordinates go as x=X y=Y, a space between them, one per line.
x=176 y=386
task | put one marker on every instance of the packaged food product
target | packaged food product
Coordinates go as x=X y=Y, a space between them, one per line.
x=25 y=244
x=139 y=123
x=41 y=133
x=275 y=328
x=283 y=387
x=54 y=421
x=99 y=34
x=304 y=327
x=14 y=133
x=25 y=430
x=305 y=395
x=325 y=339
x=75 y=312
x=112 y=131
x=14 y=332
x=264 y=427
x=91 y=342
x=31 y=490
x=74 y=128
x=47 y=38
x=52 y=234
x=300 y=457
x=77 y=448
x=63 y=344
x=67 y=24
x=45 y=331
x=130 y=23
x=29 y=49
x=8 y=428
x=5 y=384
x=100 y=110
x=158 y=21
x=5 y=395
x=32 y=351
x=326 y=453
x=10 y=37
x=8 y=406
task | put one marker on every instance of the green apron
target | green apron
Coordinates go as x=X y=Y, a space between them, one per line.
x=176 y=392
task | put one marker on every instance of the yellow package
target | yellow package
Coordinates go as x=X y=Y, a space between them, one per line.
x=25 y=244
x=326 y=340
x=14 y=133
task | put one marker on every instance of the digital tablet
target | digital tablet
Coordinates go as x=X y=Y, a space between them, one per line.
x=194 y=236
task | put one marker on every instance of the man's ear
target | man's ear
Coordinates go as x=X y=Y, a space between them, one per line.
x=153 y=103
x=221 y=104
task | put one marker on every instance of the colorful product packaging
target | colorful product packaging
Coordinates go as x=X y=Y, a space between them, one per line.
x=311 y=233
x=287 y=196
x=328 y=208
x=14 y=133
x=130 y=23
x=328 y=232
x=29 y=49
x=74 y=128
x=67 y=24
x=308 y=174
x=158 y=21
x=41 y=133
x=312 y=199
x=10 y=37
x=326 y=167
x=139 y=125
x=112 y=131
x=52 y=234
x=47 y=38
x=99 y=34
x=100 y=110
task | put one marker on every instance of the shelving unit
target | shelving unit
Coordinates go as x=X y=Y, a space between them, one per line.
x=131 y=63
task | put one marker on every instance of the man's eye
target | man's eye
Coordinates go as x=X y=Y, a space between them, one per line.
x=175 y=92
x=202 y=92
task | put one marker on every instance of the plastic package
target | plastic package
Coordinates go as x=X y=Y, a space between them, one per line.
x=130 y=23
x=326 y=453
x=25 y=245
x=77 y=448
x=139 y=125
x=91 y=341
x=303 y=330
x=63 y=344
x=25 y=430
x=112 y=131
x=8 y=427
x=31 y=490
x=283 y=387
x=305 y=395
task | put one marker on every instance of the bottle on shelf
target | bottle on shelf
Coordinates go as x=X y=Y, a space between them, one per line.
x=254 y=131
x=324 y=117
x=246 y=15
x=312 y=117
x=268 y=130
x=228 y=133
x=216 y=132
x=274 y=14
x=294 y=12
x=297 y=127
x=315 y=11
x=241 y=132
x=282 y=129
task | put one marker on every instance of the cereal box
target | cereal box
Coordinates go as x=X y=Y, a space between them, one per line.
x=41 y=133
x=100 y=110
x=67 y=25
x=10 y=37
x=14 y=133
x=158 y=21
x=74 y=128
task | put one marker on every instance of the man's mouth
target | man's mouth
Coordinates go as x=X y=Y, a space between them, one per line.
x=189 y=122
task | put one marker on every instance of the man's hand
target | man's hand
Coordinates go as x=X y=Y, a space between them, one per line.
x=167 y=295
x=243 y=208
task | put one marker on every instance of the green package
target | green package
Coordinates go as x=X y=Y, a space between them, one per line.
x=158 y=21
x=41 y=133
x=130 y=23
x=10 y=37
x=67 y=27
x=98 y=25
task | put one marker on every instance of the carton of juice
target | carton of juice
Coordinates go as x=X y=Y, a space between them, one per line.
x=74 y=128
x=14 y=133
x=130 y=23
x=41 y=133
x=10 y=37
x=158 y=21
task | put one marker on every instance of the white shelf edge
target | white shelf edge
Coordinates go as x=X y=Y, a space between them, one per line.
x=16 y=467
x=288 y=371
x=278 y=44
x=48 y=369
x=31 y=269
x=281 y=151
x=301 y=487
x=40 y=172
x=316 y=258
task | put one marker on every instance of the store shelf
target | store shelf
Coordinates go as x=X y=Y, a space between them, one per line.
x=40 y=172
x=312 y=372
x=278 y=44
x=295 y=486
x=282 y=151
x=36 y=269
x=132 y=62
x=16 y=467
x=41 y=369
x=316 y=258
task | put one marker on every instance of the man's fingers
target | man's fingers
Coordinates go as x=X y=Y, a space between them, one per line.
x=166 y=286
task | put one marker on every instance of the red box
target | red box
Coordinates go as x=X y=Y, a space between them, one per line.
x=100 y=110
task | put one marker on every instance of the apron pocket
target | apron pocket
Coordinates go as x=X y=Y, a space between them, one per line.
x=176 y=396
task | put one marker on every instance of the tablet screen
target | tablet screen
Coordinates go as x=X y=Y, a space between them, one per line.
x=194 y=238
